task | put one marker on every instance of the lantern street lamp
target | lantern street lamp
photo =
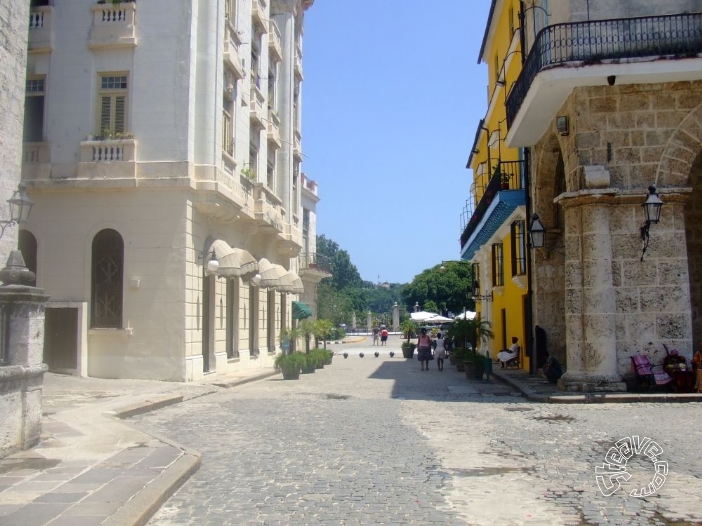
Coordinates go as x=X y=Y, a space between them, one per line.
x=652 y=213
x=20 y=206
x=537 y=232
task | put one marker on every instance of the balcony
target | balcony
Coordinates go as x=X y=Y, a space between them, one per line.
x=107 y=159
x=571 y=55
x=275 y=50
x=231 y=51
x=312 y=263
x=259 y=16
x=297 y=145
x=41 y=29
x=503 y=194
x=273 y=128
x=113 y=26
x=257 y=108
x=36 y=161
x=289 y=242
x=268 y=209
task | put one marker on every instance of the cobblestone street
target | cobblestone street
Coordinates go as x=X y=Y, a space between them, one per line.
x=376 y=441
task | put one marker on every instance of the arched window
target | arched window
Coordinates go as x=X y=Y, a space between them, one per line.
x=27 y=244
x=107 y=273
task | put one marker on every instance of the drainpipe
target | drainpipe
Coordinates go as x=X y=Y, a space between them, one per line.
x=530 y=346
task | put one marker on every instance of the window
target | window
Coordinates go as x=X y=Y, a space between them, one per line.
x=227 y=128
x=272 y=86
x=113 y=106
x=34 y=110
x=305 y=230
x=107 y=272
x=518 y=242
x=253 y=157
x=232 y=318
x=296 y=178
x=475 y=288
x=511 y=19
x=498 y=271
x=230 y=11
x=255 y=60
x=270 y=170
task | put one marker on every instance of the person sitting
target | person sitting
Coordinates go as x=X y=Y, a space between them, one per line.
x=552 y=370
x=511 y=355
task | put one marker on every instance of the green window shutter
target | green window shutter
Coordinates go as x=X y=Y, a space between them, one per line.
x=105 y=113
x=120 y=113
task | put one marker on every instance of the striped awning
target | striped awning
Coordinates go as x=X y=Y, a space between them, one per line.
x=272 y=275
x=233 y=262
x=300 y=310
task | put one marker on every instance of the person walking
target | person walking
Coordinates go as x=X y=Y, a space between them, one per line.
x=384 y=336
x=424 y=349
x=440 y=352
x=376 y=334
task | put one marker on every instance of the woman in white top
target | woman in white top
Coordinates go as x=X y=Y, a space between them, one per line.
x=440 y=352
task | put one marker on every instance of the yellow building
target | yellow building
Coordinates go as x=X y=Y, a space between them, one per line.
x=494 y=236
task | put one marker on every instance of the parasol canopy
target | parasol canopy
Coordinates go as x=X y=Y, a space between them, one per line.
x=271 y=274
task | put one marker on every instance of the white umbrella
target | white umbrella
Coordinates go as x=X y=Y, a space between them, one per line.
x=438 y=319
x=422 y=315
x=469 y=315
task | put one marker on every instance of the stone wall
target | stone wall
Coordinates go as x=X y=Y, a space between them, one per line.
x=623 y=139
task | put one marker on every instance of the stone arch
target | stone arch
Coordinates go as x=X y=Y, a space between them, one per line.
x=680 y=152
x=681 y=166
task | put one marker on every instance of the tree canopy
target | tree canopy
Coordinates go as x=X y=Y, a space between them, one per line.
x=446 y=285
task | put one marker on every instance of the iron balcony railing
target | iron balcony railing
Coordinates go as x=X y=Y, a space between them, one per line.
x=312 y=260
x=508 y=175
x=599 y=40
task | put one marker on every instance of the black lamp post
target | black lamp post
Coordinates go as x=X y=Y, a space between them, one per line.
x=652 y=214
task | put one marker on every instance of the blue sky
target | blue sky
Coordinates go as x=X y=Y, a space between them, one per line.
x=391 y=100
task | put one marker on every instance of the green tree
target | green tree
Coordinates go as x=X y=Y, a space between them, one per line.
x=344 y=273
x=322 y=330
x=446 y=285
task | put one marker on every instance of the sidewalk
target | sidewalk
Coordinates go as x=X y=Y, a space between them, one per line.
x=92 y=467
x=538 y=389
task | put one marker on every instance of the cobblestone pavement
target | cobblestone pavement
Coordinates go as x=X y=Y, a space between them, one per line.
x=376 y=441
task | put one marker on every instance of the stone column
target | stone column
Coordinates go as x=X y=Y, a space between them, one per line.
x=353 y=320
x=395 y=317
x=22 y=330
x=369 y=322
x=590 y=301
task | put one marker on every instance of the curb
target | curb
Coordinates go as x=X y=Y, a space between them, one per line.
x=147 y=502
x=595 y=398
x=249 y=379
x=146 y=406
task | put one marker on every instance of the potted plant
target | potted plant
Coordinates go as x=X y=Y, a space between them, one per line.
x=460 y=355
x=309 y=363
x=289 y=365
x=474 y=366
x=249 y=173
x=319 y=356
x=408 y=328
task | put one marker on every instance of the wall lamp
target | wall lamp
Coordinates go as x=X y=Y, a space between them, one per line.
x=652 y=213
x=212 y=264
x=20 y=206
x=537 y=232
x=484 y=297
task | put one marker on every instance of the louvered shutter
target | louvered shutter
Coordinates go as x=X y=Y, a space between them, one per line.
x=105 y=114
x=120 y=111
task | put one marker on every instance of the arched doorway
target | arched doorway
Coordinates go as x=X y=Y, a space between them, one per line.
x=693 y=237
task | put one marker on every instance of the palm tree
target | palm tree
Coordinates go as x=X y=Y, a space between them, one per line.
x=408 y=328
x=465 y=331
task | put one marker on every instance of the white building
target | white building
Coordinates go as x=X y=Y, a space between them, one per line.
x=159 y=135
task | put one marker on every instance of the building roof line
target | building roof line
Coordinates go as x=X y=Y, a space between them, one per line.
x=487 y=29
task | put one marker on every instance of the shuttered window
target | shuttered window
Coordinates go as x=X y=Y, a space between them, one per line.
x=113 y=106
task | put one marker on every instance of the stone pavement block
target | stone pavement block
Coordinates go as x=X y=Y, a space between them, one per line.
x=60 y=497
x=78 y=521
x=34 y=514
x=97 y=475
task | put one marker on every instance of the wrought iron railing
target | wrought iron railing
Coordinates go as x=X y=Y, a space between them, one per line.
x=312 y=260
x=598 y=40
x=508 y=175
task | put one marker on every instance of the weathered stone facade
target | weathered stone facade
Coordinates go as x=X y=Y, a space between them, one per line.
x=594 y=295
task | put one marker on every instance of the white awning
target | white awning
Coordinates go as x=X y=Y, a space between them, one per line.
x=272 y=275
x=233 y=262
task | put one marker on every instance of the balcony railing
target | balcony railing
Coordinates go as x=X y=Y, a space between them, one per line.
x=508 y=175
x=602 y=40
x=41 y=29
x=314 y=261
x=113 y=25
